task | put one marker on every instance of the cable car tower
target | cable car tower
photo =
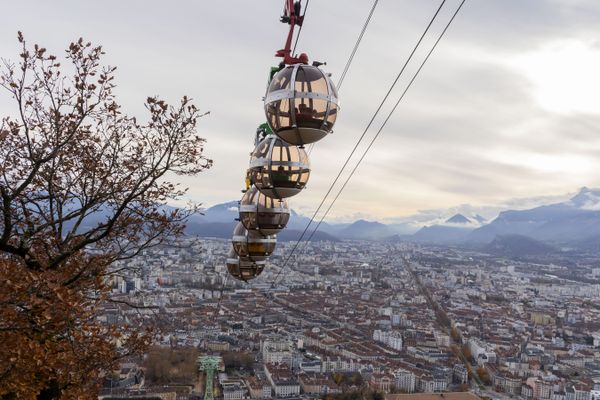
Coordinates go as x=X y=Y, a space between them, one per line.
x=209 y=365
x=301 y=106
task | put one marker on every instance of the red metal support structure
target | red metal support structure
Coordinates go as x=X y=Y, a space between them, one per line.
x=291 y=15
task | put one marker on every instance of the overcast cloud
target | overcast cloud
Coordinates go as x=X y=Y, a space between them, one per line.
x=508 y=107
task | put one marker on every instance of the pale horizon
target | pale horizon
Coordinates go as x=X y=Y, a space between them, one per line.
x=428 y=216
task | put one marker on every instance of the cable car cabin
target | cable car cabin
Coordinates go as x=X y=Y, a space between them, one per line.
x=278 y=169
x=243 y=268
x=252 y=244
x=301 y=104
x=263 y=214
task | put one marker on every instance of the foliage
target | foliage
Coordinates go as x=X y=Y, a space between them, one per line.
x=484 y=375
x=236 y=359
x=71 y=156
x=455 y=334
x=337 y=378
x=466 y=352
x=167 y=366
x=348 y=379
x=463 y=387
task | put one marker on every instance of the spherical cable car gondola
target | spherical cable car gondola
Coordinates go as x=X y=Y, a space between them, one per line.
x=264 y=214
x=301 y=104
x=252 y=244
x=243 y=268
x=278 y=169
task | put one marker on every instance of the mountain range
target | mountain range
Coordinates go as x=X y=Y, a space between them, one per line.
x=575 y=223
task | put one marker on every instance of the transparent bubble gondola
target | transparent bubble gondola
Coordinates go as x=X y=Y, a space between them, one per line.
x=278 y=169
x=252 y=244
x=262 y=213
x=301 y=104
x=243 y=268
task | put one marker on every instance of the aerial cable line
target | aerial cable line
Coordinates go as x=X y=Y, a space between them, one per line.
x=383 y=124
x=360 y=139
x=221 y=295
x=362 y=32
x=294 y=51
x=352 y=54
x=300 y=29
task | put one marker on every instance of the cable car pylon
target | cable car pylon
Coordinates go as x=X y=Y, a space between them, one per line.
x=301 y=106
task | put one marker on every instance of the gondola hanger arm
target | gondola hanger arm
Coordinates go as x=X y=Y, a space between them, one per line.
x=291 y=16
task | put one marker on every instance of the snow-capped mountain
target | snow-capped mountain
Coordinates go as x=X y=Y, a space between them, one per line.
x=586 y=199
x=575 y=220
x=458 y=219
x=453 y=230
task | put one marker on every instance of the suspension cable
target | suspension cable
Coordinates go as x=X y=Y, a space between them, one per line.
x=351 y=58
x=362 y=32
x=383 y=125
x=300 y=29
x=360 y=139
x=221 y=294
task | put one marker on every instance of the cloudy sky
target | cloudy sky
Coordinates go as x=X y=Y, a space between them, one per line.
x=508 y=107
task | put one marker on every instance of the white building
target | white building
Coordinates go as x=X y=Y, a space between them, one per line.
x=233 y=391
x=311 y=366
x=286 y=388
x=340 y=365
x=481 y=352
x=391 y=339
x=276 y=350
x=441 y=339
x=596 y=336
x=405 y=381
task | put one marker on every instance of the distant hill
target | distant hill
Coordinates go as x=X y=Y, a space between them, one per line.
x=458 y=219
x=228 y=212
x=290 y=235
x=517 y=246
x=479 y=219
x=365 y=230
x=591 y=243
x=567 y=222
x=396 y=238
x=222 y=230
x=575 y=223
x=224 y=212
x=404 y=228
x=454 y=230
x=441 y=234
